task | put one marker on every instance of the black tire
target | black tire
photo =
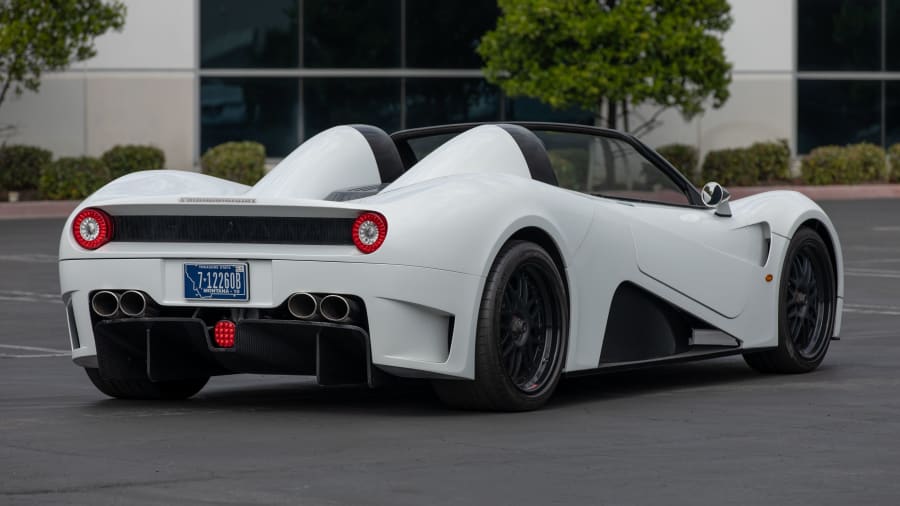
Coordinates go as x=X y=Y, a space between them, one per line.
x=517 y=367
x=807 y=300
x=144 y=389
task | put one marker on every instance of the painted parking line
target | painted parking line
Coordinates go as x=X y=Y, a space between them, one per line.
x=872 y=273
x=44 y=352
x=22 y=296
x=872 y=309
x=31 y=258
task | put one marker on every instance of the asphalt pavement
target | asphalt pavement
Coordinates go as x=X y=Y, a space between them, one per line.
x=703 y=433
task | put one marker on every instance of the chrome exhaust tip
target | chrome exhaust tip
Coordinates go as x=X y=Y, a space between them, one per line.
x=303 y=305
x=133 y=303
x=338 y=309
x=105 y=304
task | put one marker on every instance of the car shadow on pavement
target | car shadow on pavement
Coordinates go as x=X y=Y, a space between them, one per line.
x=416 y=398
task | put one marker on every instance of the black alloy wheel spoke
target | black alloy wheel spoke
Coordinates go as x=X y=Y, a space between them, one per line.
x=805 y=309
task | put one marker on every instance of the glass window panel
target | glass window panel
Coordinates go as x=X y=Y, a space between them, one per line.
x=837 y=112
x=241 y=34
x=608 y=167
x=249 y=109
x=351 y=33
x=892 y=113
x=839 y=35
x=529 y=109
x=893 y=35
x=441 y=101
x=445 y=34
x=339 y=101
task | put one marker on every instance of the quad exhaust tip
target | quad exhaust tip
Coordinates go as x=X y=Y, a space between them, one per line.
x=338 y=309
x=133 y=303
x=303 y=305
x=105 y=304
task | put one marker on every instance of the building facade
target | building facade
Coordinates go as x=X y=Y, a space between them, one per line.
x=185 y=75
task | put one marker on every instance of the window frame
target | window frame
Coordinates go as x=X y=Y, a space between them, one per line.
x=401 y=139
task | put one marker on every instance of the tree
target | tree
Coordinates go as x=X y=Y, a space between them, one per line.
x=607 y=55
x=49 y=35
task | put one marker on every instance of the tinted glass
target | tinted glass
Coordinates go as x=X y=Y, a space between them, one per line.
x=253 y=109
x=339 y=101
x=837 y=112
x=437 y=101
x=893 y=35
x=608 y=167
x=445 y=34
x=529 y=109
x=241 y=34
x=351 y=33
x=839 y=35
x=892 y=113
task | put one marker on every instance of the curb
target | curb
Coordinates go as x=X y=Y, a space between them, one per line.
x=62 y=208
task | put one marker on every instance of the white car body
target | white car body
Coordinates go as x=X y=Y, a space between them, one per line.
x=448 y=217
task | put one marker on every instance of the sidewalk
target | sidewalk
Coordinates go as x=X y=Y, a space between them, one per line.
x=62 y=208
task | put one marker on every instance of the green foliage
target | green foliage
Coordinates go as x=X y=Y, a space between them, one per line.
x=244 y=162
x=894 y=153
x=38 y=36
x=857 y=163
x=682 y=156
x=73 y=178
x=122 y=160
x=578 y=53
x=21 y=166
x=571 y=166
x=761 y=163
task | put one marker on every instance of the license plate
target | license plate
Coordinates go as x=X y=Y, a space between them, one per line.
x=215 y=281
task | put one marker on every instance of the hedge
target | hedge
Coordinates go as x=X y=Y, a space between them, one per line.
x=21 y=166
x=894 y=153
x=682 y=156
x=122 y=160
x=244 y=162
x=73 y=178
x=857 y=163
x=761 y=163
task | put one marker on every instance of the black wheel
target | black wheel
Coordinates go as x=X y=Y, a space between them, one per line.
x=144 y=388
x=806 y=308
x=521 y=337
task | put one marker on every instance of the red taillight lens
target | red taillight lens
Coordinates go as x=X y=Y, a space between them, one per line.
x=92 y=228
x=369 y=231
x=223 y=333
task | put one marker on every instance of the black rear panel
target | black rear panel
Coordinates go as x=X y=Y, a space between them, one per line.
x=233 y=229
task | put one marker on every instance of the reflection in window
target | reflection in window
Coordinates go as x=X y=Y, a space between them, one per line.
x=529 y=109
x=339 y=101
x=839 y=35
x=892 y=22
x=892 y=113
x=837 y=112
x=252 y=109
x=351 y=33
x=437 y=101
x=445 y=34
x=240 y=34
x=608 y=167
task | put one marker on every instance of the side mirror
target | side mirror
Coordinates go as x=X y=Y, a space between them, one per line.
x=715 y=196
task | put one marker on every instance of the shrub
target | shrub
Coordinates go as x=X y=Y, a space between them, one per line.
x=73 y=178
x=122 y=160
x=857 y=163
x=21 y=166
x=682 y=156
x=244 y=162
x=894 y=153
x=761 y=163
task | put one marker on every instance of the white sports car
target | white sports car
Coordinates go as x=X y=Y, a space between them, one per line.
x=492 y=259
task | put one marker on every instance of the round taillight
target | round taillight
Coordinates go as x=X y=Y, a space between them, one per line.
x=369 y=231
x=223 y=334
x=92 y=228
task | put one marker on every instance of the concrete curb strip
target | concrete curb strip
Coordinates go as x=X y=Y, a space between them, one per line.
x=62 y=208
